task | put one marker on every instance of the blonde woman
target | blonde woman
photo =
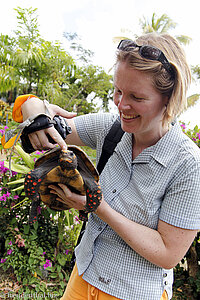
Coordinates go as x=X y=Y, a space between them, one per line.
x=150 y=212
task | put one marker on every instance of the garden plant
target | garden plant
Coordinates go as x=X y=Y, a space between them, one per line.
x=35 y=259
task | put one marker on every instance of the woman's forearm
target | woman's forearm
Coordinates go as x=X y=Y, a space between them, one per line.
x=164 y=251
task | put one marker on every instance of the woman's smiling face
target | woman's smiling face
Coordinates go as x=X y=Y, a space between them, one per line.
x=140 y=106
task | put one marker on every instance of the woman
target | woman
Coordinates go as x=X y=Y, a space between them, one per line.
x=150 y=211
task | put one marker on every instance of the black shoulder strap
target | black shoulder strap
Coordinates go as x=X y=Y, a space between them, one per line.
x=111 y=140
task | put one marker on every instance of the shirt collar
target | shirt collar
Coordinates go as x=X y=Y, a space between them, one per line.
x=171 y=140
x=159 y=151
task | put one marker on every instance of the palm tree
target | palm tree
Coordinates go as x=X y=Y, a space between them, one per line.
x=162 y=24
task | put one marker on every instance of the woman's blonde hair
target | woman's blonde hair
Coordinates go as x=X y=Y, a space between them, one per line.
x=174 y=87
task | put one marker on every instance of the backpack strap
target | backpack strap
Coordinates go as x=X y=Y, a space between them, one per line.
x=111 y=140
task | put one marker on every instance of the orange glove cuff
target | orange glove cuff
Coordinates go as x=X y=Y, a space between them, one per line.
x=17 y=112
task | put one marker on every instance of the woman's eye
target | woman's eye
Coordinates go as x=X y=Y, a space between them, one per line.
x=136 y=98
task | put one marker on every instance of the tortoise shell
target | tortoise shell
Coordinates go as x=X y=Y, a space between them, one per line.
x=71 y=167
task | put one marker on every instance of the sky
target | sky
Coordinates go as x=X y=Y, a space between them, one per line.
x=97 y=21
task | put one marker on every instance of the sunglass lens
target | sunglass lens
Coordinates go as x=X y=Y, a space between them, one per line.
x=150 y=52
x=126 y=45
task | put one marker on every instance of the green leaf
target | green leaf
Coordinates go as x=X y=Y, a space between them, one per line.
x=17 y=168
x=30 y=261
x=35 y=225
x=26 y=229
x=21 y=180
x=25 y=156
x=21 y=187
x=61 y=260
x=62 y=284
x=25 y=281
x=53 y=275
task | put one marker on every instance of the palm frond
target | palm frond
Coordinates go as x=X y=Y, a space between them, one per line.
x=191 y=100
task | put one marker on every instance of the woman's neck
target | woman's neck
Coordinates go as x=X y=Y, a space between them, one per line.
x=143 y=141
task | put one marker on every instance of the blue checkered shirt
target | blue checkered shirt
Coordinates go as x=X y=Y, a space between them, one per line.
x=162 y=182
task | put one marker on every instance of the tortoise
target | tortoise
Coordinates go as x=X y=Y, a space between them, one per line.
x=71 y=167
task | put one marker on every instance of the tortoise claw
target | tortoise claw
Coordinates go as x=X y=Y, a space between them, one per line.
x=83 y=216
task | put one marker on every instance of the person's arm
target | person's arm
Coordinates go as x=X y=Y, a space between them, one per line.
x=164 y=247
x=39 y=138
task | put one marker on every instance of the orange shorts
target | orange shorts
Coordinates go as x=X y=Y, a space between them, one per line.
x=79 y=289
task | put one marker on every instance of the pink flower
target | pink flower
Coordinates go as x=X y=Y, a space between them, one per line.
x=3 y=169
x=20 y=241
x=10 y=243
x=3 y=198
x=47 y=264
x=183 y=126
x=15 y=197
x=3 y=260
x=9 y=251
x=67 y=252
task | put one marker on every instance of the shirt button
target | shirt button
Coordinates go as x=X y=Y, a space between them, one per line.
x=165 y=275
x=114 y=191
x=100 y=228
x=166 y=283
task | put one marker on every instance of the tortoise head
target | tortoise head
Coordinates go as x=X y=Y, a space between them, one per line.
x=67 y=160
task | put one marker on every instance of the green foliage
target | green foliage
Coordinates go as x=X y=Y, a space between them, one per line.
x=159 y=24
x=7 y=72
x=32 y=65
x=38 y=255
x=196 y=71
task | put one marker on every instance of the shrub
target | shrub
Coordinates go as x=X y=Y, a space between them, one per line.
x=39 y=255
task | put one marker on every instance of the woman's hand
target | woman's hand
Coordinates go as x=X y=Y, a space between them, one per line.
x=72 y=200
x=39 y=139
x=34 y=106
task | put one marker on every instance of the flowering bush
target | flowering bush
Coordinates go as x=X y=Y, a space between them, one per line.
x=39 y=255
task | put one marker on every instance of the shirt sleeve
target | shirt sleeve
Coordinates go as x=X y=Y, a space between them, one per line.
x=93 y=127
x=181 y=203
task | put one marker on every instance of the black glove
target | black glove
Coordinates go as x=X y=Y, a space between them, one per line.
x=42 y=122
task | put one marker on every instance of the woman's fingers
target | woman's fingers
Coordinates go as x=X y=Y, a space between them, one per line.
x=56 y=137
x=39 y=139
x=56 y=110
x=71 y=199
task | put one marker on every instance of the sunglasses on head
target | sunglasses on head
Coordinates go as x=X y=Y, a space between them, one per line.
x=148 y=52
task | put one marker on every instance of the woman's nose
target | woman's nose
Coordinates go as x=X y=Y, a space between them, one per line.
x=123 y=103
